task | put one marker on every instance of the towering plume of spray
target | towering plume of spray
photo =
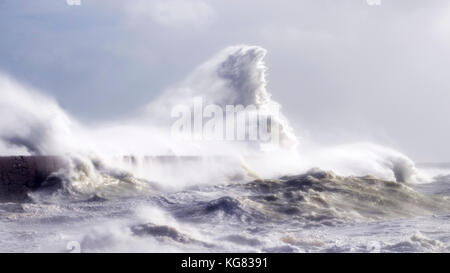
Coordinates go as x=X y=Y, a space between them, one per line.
x=32 y=123
x=237 y=76
x=234 y=77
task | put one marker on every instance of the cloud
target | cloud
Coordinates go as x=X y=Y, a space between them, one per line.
x=172 y=13
x=441 y=21
x=292 y=36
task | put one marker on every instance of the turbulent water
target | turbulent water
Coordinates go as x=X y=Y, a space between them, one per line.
x=314 y=212
x=128 y=186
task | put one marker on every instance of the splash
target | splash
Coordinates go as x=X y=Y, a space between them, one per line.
x=235 y=76
x=32 y=123
x=364 y=158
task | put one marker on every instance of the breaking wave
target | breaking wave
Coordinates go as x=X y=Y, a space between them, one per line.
x=127 y=185
x=34 y=124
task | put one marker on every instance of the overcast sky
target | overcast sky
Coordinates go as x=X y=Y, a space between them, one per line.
x=343 y=70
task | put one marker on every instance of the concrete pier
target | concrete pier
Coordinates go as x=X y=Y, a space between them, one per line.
x=22 y=174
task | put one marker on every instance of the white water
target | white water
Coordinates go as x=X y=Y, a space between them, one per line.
x=32 y=123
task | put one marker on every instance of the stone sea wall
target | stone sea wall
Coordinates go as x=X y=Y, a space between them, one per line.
x=21 y=174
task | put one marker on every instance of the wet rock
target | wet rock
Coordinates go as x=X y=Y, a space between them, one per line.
x=160 y=231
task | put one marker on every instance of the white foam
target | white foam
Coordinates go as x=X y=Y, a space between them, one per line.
x=237 y=75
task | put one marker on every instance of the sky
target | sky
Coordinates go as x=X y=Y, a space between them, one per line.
x=343 y=70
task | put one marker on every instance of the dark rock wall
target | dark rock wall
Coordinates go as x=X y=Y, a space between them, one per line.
x=21 y=174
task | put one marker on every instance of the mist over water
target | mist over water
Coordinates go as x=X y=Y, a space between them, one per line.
x=163 y=193
x=33 y=123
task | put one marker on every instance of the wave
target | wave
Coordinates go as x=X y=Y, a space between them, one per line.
x=235 y=76
x=316 y=198
x=32 y=123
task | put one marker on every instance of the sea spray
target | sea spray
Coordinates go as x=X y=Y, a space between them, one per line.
x=32 y=123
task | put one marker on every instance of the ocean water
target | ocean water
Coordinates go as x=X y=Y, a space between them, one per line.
x=314 y=212
x=129 y=186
